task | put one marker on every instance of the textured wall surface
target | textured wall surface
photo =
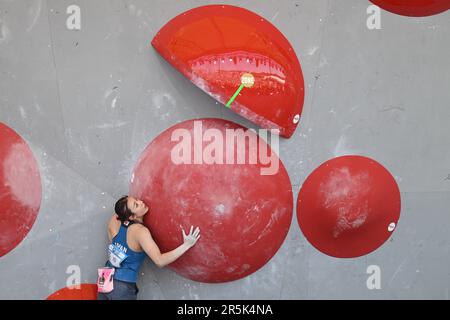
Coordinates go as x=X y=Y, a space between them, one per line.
x=88 y=102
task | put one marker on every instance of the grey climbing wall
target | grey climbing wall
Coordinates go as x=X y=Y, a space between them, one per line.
x=89 y=101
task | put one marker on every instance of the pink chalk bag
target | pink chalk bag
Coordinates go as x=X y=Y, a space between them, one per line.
x=105 y=281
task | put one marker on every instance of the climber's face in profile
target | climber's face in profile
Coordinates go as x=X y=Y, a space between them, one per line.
x=137 y=206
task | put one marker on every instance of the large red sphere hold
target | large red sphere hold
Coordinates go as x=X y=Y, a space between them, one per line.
x=348 y=207
x=20 y=189
x=243 y=215
x=414 y=8
x=86 y=291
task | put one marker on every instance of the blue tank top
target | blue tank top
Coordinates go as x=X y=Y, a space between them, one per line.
x=129 y=268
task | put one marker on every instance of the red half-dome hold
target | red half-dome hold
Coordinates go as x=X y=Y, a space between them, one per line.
x=348 y=207
x=20 y=189
x=86 y=291
x=215 y=45
x=243 y=215
x=414 y=8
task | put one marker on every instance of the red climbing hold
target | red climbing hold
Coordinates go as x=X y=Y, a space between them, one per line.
x=414 y=8
x=215 y=45
x=243 y=215
x=20 y=189
x=83 y=292
x=348 y=207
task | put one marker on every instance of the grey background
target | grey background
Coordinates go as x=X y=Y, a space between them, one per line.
x=379 y=93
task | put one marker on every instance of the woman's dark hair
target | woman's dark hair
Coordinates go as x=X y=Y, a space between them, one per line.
x=122 y=209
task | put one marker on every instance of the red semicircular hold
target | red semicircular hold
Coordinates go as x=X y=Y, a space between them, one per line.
x=86 y=291
x=215 y=45
x=20 y=189
x=349 y=206
x=243 y=216
x=414 y=8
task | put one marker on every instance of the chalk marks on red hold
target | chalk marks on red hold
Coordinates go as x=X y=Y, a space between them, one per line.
x=244 y=216
x=349 y=206
x=20 y=189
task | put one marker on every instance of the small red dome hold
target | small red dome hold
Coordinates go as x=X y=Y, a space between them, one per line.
x=348 y=207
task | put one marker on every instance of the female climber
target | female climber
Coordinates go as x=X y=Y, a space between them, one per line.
x=130 y=242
